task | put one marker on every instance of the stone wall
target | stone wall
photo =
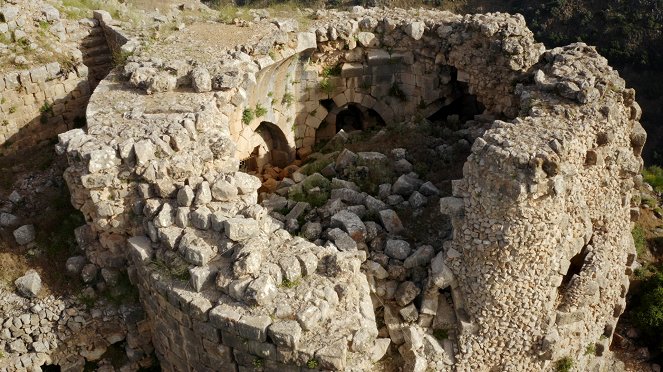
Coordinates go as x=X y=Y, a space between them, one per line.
x=44 y=100
x=227 y=285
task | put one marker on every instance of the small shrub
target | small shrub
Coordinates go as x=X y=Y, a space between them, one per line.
x=287 y=99
x=639 y=240
x=654 y=176
x=260 y=110
x=247 y=116
x=46 y=109
x=326 y=86
x=564 y=365
x=5 y=123
x=12 y=109
x=332 y=71
x=441 y=334
x=120 y=58
x=258 y=362
x=289 y=284
x=591 y=349
x=648 y=309
x=312 y=363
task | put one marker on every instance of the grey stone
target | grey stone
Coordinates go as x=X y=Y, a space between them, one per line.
x=406 y=292
x=75 y=264
x=374 y=205
x=390 y=221
x=261 y=291
x=200 y=276
x=351 y=223
x=409 y=313
x=398 y=249
x=195 y=250
x=24 y=234
x=342 y=240
x=311 y=230
x=291 y=268
x=309 y=318
x=333 y=356
x=204 y=194
x=89 y=273
x=337 y=183
x=201 y=80
x=309 y=263
x=165 y=217
x=402 y=166
x=185 y=196
x=415 y=30
x=441 y=275
x=201 y=218
x=246 y=183
x=345 y=159
x=239 y=229
x=421 y=257
x=298 y=210
x=349 y=196
x=452 y=206
x=223 y=190
x=29 y=284
x=372 y=230
x=428 y=189
x=144 y=151
x=285 y=333
x=8 y=219
x=402 y=186
x=254 y=327
x=417 y=200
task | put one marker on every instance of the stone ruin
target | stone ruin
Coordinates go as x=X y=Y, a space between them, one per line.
x=535 y=270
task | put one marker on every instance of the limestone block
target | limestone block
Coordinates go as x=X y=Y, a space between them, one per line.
x=253 y=327
x=285 y=333
x=195 y=250
x=225 y=317
x=333 y=356
x=261 y=291
x=239 y=229
x=391 y=221
x=29 y=284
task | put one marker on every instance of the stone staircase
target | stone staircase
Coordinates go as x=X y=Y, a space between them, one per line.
x=97 y=56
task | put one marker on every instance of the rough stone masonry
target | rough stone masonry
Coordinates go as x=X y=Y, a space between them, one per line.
x=540 y=251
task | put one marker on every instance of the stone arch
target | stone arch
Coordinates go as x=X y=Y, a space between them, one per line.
x=359 y=117
x=266 y=145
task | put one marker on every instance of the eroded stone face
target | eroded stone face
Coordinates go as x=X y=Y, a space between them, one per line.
x=531 y=198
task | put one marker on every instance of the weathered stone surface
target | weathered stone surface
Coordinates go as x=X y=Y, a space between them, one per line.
x=406 y=292
x=398 y=249
x=24 y=234
x=342 y=240
x=285 y=333
x=29 y=284
x=351 y=223
x=239 y=229
x=390 y=221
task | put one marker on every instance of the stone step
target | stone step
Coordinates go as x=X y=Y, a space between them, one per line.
x=97 y=60
x=101 y=49
x=92 y=41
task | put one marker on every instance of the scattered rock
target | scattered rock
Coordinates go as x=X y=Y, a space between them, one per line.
x=29 y=284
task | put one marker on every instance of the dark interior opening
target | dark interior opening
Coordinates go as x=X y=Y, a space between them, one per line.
x=577 y=263
x=349 y=119
x=328 y=104
x=465 y=106
x=355 y=117
x=51 y=368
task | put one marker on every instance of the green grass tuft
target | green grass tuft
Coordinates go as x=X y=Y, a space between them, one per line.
x=654 y=176
x=564 y=365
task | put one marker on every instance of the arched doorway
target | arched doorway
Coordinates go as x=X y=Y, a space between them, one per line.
x=348 y=118
x=269 y=146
